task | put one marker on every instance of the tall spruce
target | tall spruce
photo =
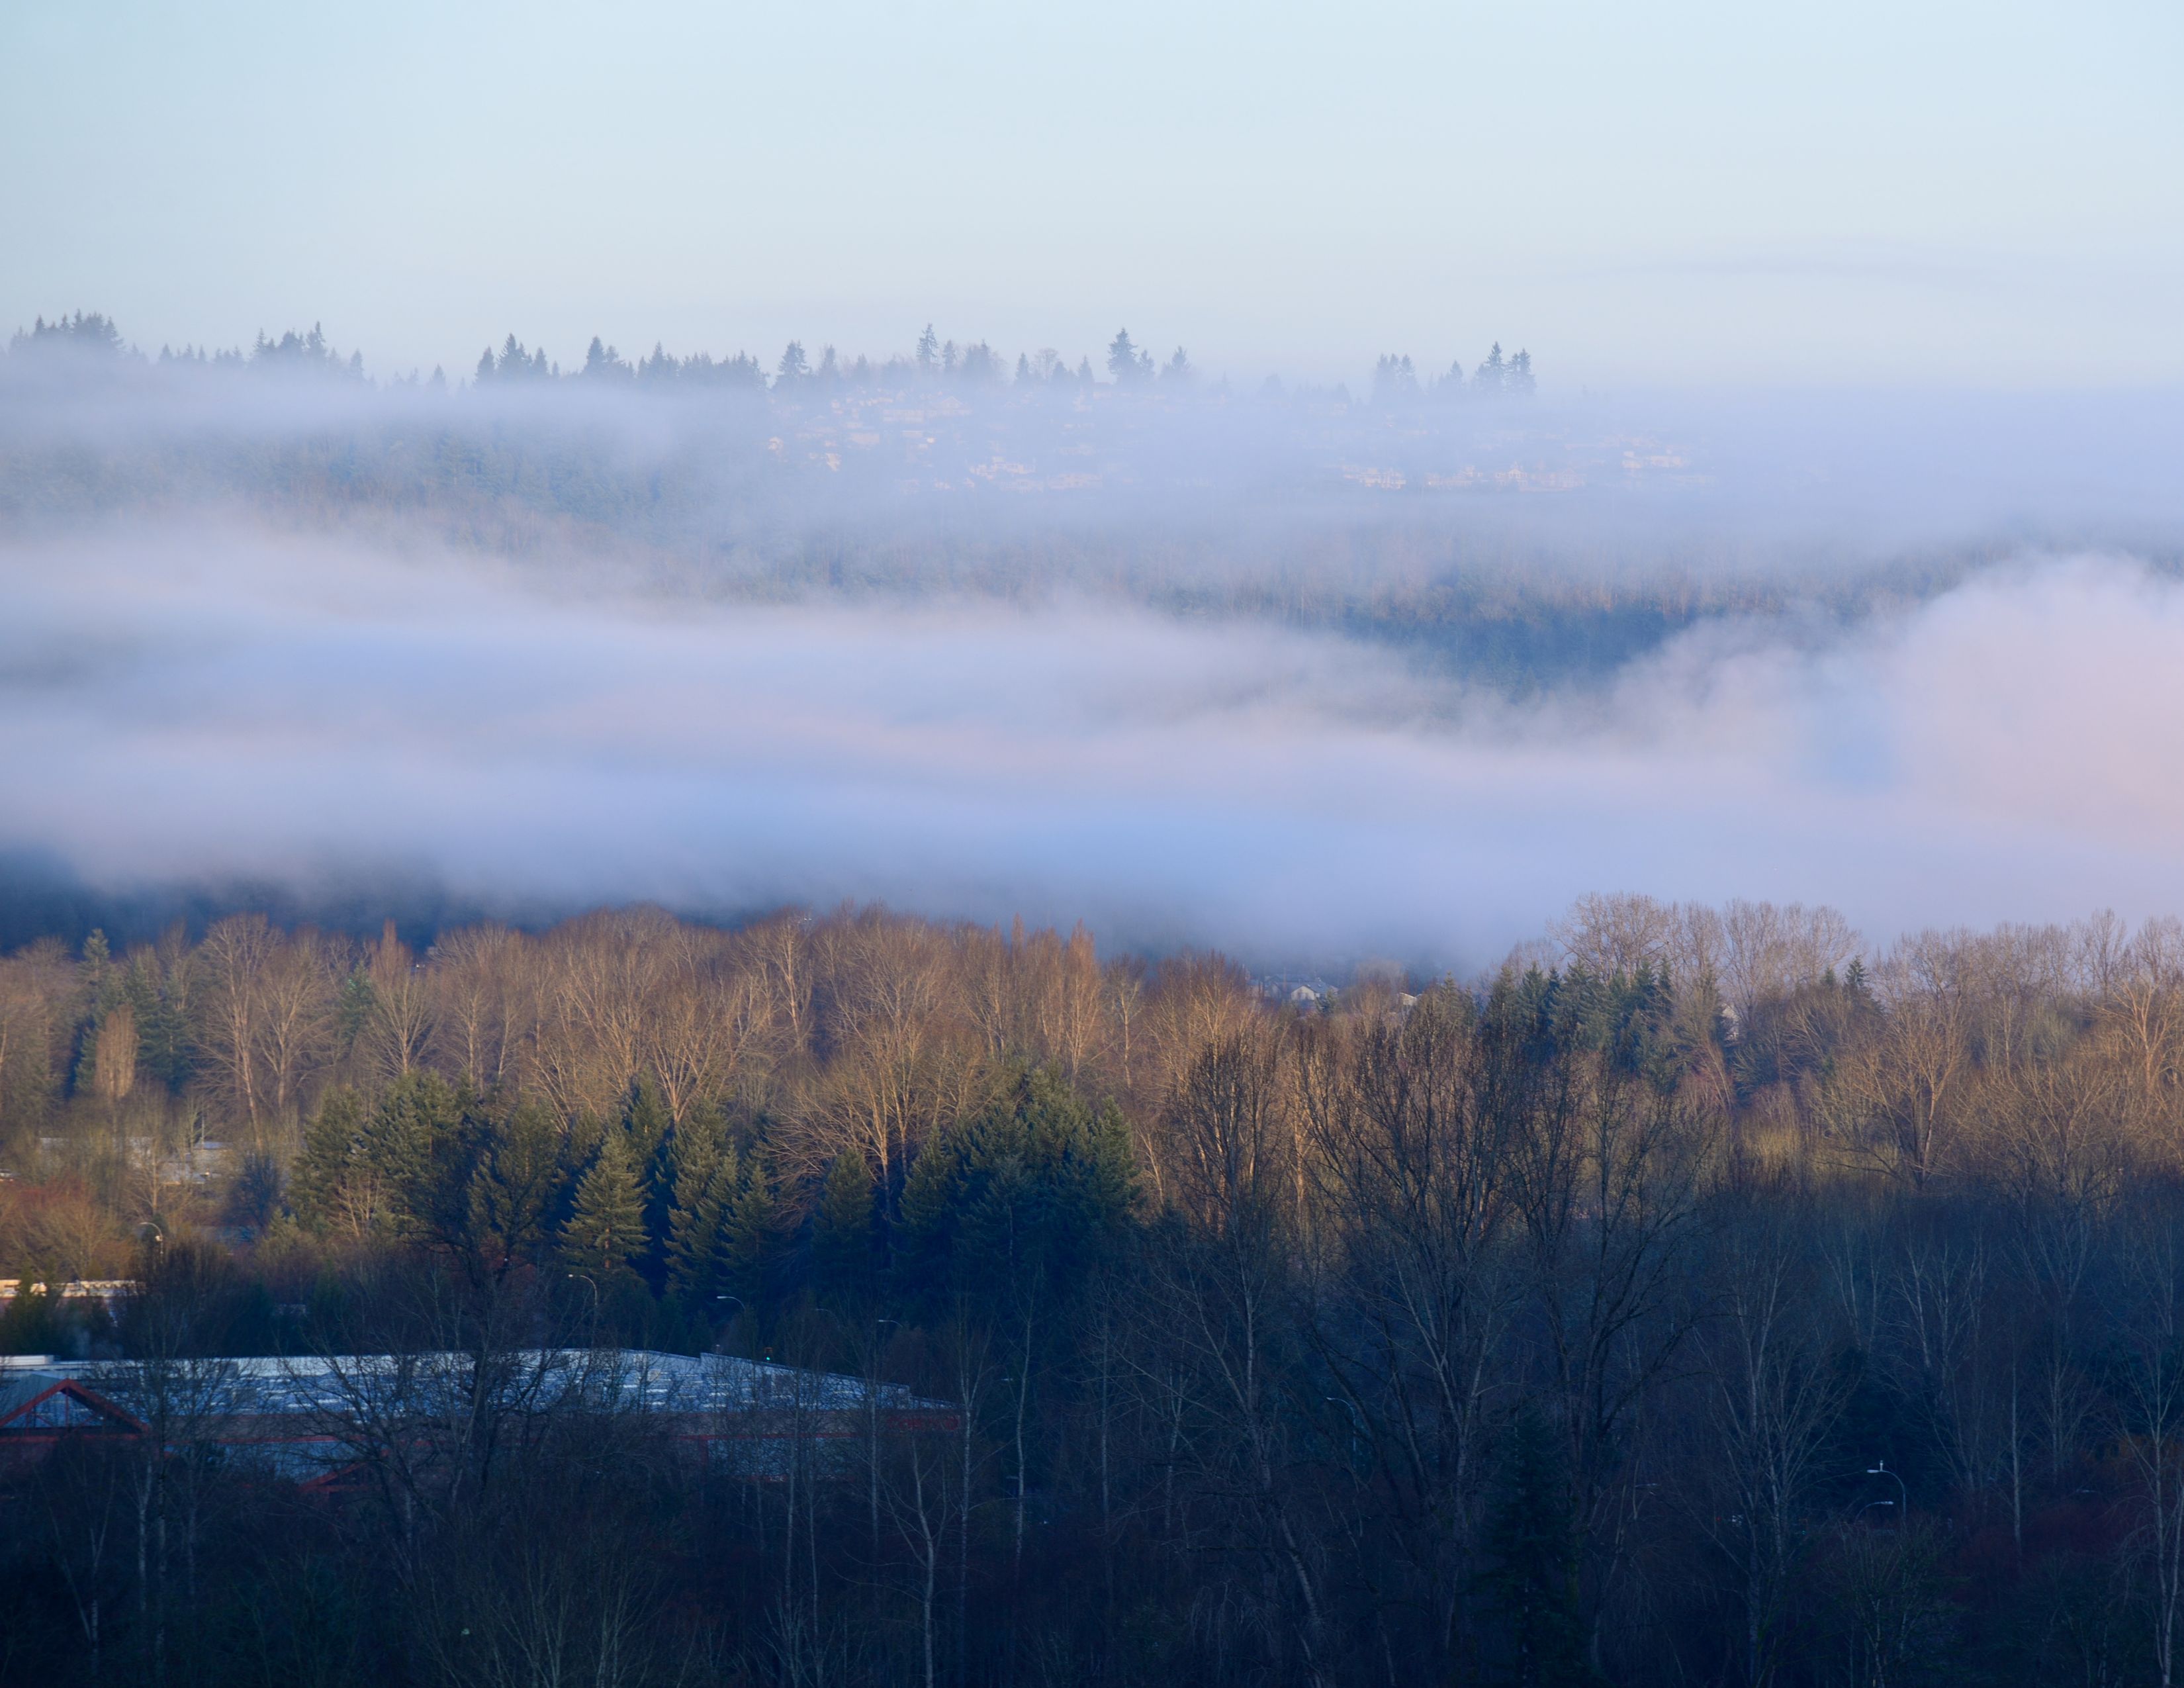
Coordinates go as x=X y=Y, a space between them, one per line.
x=605 y=1232
x=842 y=1232
x=707 y=1178
x=751 y=1239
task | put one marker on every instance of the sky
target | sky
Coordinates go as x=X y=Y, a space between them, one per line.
x=1981 y=196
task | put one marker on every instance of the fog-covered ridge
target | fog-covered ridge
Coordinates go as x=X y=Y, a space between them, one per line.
x=1310 y=674
x=1518 y=541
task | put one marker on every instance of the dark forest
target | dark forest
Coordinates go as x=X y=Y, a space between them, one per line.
x=1699 y=1296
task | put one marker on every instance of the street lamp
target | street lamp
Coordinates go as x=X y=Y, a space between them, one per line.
x=586 y=1279
x=1879 y=1468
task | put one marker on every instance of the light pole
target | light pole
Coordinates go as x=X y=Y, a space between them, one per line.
x=586 y=1278
x=1879 y=1468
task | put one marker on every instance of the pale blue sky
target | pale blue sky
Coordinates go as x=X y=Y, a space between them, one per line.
x=1988 y=193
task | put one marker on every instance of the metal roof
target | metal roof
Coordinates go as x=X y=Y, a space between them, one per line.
x=334 y=1386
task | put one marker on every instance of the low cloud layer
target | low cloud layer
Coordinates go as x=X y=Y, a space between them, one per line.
x=222 y=701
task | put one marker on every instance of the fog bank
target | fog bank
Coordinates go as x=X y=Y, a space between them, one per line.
x=201 y=704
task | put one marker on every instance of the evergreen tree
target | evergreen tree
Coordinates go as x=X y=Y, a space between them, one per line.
x=928 y=351
x=605 y=1234
x=602 y=362
x=1125 y=362
x=1037 y=1186
x=1531 y=1582
x=645 y=1117
x=413 y=1153
x=163 y=1048
x=842 y=1230
x=750 y=1242
x=706 y=1181
x=319 y=1184
x=395 y=1170
x=513 y=1188
x=1394 y=380
x=353 y=1009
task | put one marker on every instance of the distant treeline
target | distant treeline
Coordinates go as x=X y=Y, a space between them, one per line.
x=932 y=361
x=1702 y=1295
x=944 y=477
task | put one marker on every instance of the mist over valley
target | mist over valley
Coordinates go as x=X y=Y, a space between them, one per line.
x=1310 y=677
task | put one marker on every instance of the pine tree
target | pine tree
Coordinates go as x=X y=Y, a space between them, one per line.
x=163 y=1036
x=513 y=1188
x=1125 y=362
x=750 y=1242
x=1532 y=1547
x=645 y=1117
x=842 y=1230
x=605 y=1233
x=925 y=1228
x=1035 y=1188
x=706 y=1183
x=333 y=1141
x=407 y=1152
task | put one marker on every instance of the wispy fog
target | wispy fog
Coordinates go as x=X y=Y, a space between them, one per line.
x=201 y=699
x=1310 y=674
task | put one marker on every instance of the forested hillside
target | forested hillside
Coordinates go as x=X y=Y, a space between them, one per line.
x=1700 y=1296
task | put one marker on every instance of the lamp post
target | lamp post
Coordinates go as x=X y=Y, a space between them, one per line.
x=1879 y=1468
x=586 y=1279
